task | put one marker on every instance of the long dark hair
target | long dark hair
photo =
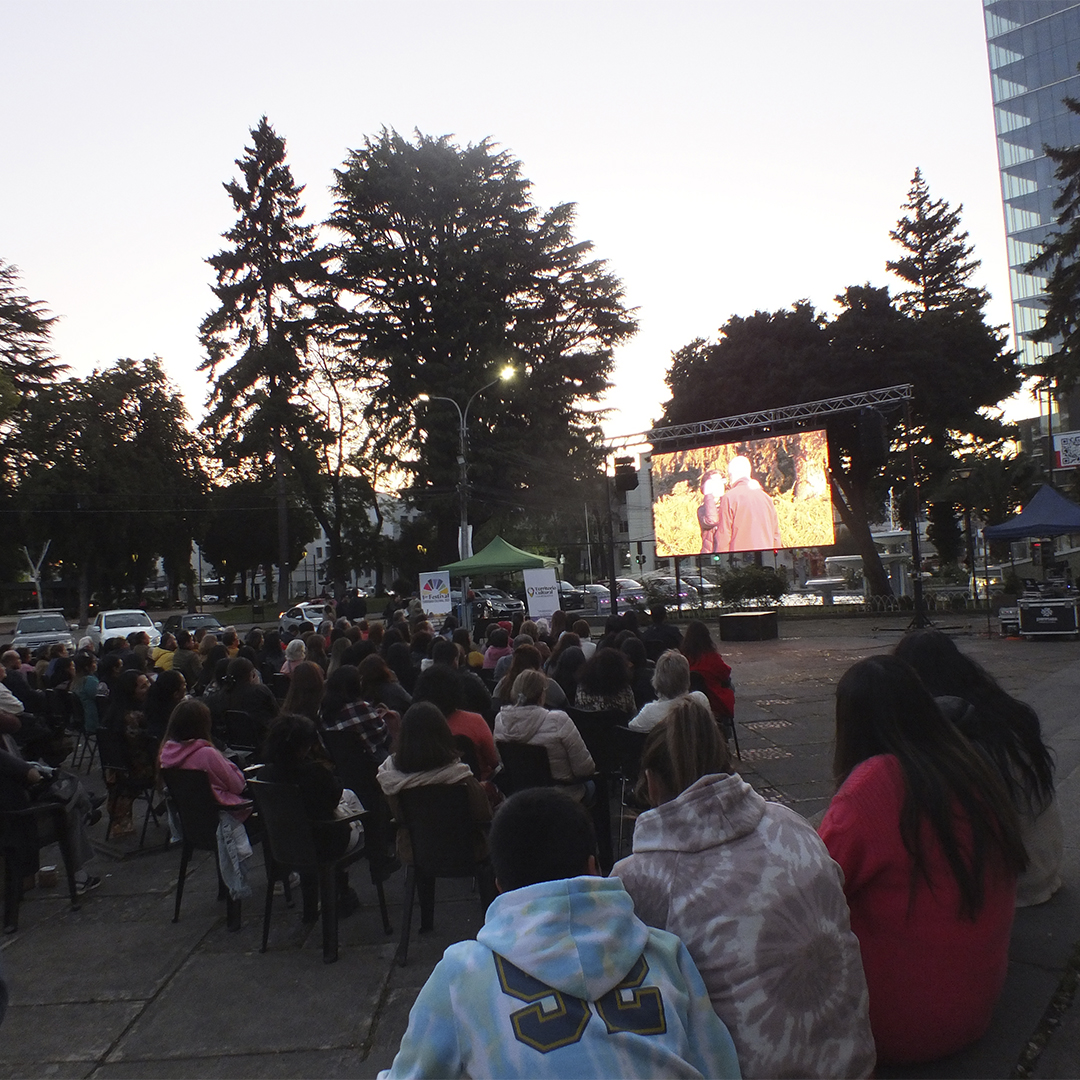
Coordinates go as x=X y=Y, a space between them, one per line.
x=374 y=674
x=306 y=687
x=188 y=720
x=342 y=688
x=565 y=670
x=122 y=699
x=424 y=741
x=1006 y=729
x=567 y=640
x=883 y=708
x=526 y=658
x=696 y=641
x=440 y=685
x=289 y=741
x=607 y=671
x=160 y=701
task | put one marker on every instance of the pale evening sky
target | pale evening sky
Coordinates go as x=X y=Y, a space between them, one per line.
x=724 y=156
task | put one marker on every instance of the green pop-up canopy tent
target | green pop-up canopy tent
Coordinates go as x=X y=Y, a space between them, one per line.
x=499 y=557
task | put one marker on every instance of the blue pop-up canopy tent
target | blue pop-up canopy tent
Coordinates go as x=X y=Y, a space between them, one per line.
x=1048 y=514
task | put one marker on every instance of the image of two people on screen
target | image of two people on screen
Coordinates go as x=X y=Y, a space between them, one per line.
x=736 y=513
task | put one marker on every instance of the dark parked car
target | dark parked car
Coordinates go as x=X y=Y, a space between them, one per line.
x=502 y=605
x=175 y=623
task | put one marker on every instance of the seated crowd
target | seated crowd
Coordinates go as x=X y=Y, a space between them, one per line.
x=880 y=938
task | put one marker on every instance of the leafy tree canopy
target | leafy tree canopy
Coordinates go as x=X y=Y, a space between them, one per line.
x=115 y=479
x=447 y=270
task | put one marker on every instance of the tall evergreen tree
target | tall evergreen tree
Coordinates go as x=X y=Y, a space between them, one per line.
x=453 y=272
x=1061 y=259
x=27 y=364
x=268 y=283
x=936 y=265
x=937 y=268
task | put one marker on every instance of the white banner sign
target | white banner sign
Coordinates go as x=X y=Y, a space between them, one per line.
x=435 y=593
x=541 y=593
x=1067 y=450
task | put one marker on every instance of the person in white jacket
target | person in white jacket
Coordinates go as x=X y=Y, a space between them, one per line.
x=671 y=681
x=528 y=721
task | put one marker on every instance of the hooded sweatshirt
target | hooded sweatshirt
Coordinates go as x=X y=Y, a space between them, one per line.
x=555 y=732
x=751 y=889
x=564 y=980
x=226 y=780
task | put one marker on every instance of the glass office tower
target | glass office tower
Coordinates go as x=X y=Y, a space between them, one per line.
x=1034 y=49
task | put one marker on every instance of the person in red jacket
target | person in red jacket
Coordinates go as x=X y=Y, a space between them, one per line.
x=930 y=846
x=712 y=671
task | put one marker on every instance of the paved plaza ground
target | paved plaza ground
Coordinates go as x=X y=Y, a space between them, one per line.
x=118 y=990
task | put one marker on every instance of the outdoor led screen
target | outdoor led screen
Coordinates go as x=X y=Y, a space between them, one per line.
x=754 y=495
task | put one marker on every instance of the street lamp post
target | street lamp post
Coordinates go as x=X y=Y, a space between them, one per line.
x=463 y=469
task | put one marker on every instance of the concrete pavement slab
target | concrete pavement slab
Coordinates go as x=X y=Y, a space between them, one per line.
x=41 y=1035
x=257 y=1003
x=133 y=961
x=329 y=1064
x=393 y=1021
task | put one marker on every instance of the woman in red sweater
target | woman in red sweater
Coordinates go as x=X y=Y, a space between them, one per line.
x=706 y=661
x=930 y=846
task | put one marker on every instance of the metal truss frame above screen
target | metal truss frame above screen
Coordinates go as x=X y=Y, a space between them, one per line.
x=806 y=410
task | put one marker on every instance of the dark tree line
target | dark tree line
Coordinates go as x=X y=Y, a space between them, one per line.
x=437 y=269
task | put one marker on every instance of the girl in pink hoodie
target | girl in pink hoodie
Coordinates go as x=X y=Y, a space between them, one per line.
x=187 y=745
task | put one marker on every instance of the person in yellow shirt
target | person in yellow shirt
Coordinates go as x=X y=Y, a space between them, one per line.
x=163 y=654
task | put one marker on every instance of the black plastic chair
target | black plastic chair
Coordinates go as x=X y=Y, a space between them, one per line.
x=289 y=845
x=194 y=800
x=58 y=706
x=37 y=825
x=524 y=766
x=598 y=733
x=85 y=740
x=242 y=732
x=443 y=846
x=628 y=747
x=357 y=770
x=467 y=749
x=113 y=758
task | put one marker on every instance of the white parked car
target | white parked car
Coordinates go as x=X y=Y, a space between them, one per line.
x=120 y=623
x=309 y=611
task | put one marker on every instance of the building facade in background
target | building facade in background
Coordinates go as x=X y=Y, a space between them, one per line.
x=1033 y=47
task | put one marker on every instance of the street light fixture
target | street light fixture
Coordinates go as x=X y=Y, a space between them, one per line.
x=505 y=375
